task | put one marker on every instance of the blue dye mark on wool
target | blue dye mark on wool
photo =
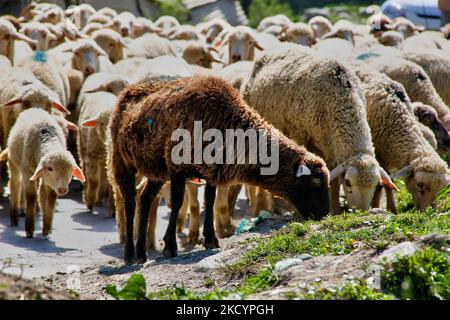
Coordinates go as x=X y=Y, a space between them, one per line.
x=40 y=56
x=150 y=121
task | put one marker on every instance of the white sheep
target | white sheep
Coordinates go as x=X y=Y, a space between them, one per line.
x=399 y=142
x=20 y=90
x=320 y=25
x=37 y=150
x=416 y=82
x=312 y=99
x=95 y=113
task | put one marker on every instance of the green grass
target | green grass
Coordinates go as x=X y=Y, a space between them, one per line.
x=338 y=235
x=334 y=235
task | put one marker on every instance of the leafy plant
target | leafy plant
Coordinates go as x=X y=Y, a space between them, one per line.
x=356 y=289
x=423 y=275
x=444 y=197
x=134 y=289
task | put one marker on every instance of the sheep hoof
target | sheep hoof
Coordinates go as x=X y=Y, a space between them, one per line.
x=22 y=213
x=193 y=238
x=212 y=245
x=29 y=235
x=90 y=207
x=170 y=252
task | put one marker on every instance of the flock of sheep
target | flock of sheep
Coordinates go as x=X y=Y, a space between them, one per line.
x=80 y=85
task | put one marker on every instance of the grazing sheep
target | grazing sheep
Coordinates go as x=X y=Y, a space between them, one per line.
x=37 y=150
x=150 y=46
x=299 y=33
x=8 y=37
x=200 y=54
x=416 y=82
x=399 y=142
x=95 y=113
x=111 y=42
x=20 y=90
x=428 y=116
x=318 y=99
x=320 y=25
x=302 y=177
x=241 y=44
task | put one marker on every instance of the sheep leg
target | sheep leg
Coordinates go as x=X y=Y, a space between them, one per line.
x=103 y=189
x=222 y=212
x=30 y=208
x=111 y=204
x=181 y=220
x=126 y=182
x=334 y=196
x=151 y=242
x=177 y=186
x=194 y=213
x=390 y=200
x=47 y=203
x=211 y=241
x=251 y=196
x=92 y=186
x=145 y=201
x=15 y=186
x=377 y=197
x=233 y=194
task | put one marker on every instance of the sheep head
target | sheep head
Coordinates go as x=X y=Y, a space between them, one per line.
x=360 y=176
x=424 y=178
x=56 y=170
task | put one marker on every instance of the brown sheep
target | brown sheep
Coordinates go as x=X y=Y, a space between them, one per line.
x=140 y=146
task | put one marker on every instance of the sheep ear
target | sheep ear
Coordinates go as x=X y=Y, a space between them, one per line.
x=91 y=123
x=20 y=36
x=402 y=173
x=211 y=48
x=386 y=180
x=197 y=181
x=52 y=37
x=58 y=106
x=258 y=46
x=328 y=35
x=12 y=102
x=100 y=51
x=303 y=171
x=336 y=172
x=71 y=126
x=38 y=172
x=78 y=174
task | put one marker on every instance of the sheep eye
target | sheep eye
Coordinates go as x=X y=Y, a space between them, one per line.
x=316 y=182
x=50 y=169
x=348 y=183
